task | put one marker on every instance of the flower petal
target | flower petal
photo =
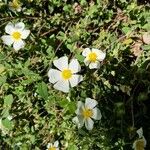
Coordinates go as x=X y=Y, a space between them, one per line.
x=7 y=39
x=134 y=144
x=145 y=142
x=74 y=66
x=62 y=85
x=96 y=114
x=9 y=28
x=25 y=34
x=19 y=26
x=86 y=61
x=56 y=143
x=79 y=121
x=19 y=9
x=86 y=51
x=61 y=63
x=90 y=103
x=89 y=124
x=140 y=132
x=54 y=75
x=95 y=65
x=75 y=120
x=100 y=54
x=48 y=145
x=18 y=45
x=80 y=107
x=75 y=79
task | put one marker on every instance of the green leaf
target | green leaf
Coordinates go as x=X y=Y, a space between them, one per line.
x=71 y=107
x=2 y=80
x=80 y=57
x=7 y=124
x=5 y=113
x=43 y=90
x=63 y=103
x=146 y=26
x=146 y=47
x=2 y=68
x=72 y=147
x=8 y=100
x=126 y=30
x=68 y=106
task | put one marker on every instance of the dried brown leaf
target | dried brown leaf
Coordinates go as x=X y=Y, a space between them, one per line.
x=136 y=48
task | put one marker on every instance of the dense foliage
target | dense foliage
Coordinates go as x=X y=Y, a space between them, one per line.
x=34 y=114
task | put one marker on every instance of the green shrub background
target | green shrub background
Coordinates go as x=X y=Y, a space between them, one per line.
x=41 y=114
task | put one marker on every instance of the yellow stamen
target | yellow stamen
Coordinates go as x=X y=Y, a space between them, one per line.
x=15 y=4
x=52 y=148
x=87 y=113
x=16 y=35
x=66 y=74
x=92 y=57
x=139 y=144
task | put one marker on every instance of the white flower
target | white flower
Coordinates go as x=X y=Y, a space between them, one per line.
x=54 y=146
x=140 y=143
x=66 y=75
x=15 y=5
x=16 y=34
x=86 y=113
x=93 y=57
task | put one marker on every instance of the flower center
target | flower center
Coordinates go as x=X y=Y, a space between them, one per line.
x=52 y=148
x=139 y=144
x=87 y=113
x=92 y=57
x=16 y=35
x=66 y=74
x=15 y=4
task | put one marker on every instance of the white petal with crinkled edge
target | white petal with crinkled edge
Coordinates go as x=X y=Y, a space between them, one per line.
x=145 y=142
x=19 y=26
x=100 y=54
x=134 y=144
x=54 y=75
x=140 y=132
x=61 y=63
x=18 y=45
x=80 y=107
x=89 y=124
x=25 y=33
x=48 y=145
x=74 y=66
x=90 y=103
x=79 y=121
x=86 y=52
x=95 y=65
x=62 y=85
x=7 y=39
x=56 y=143
x=9 y=28
x=75 y=79
x=19 y=9
x=86 y=61
x=96 y=114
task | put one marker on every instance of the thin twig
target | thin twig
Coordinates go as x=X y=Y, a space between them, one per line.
x=51 y=30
